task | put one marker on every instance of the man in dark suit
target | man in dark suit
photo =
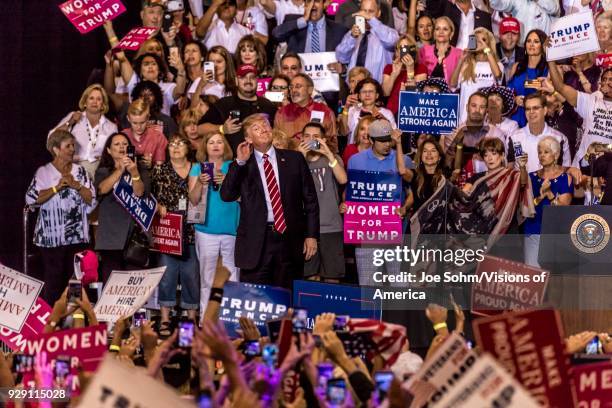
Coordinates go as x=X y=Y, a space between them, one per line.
x=464 y=15
x=311 y=32
x=279 y=210
x=508 y=50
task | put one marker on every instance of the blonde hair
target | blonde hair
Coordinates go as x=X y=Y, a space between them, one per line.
x=448 y=21
x=188 y=117
x=357 y=71
x=280 y=136
x=202 y=155
x=88 y=91
x=469 y=70
x=138 y=107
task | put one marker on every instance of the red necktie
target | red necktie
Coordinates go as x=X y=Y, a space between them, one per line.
x=275 y=197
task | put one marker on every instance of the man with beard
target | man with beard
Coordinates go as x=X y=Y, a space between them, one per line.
x=227 y=114
x=461 y=145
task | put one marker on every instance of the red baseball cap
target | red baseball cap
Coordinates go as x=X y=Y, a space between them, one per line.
x=509 y=25
x=245 y=69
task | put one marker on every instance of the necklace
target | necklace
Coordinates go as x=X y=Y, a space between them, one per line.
x=92 y=140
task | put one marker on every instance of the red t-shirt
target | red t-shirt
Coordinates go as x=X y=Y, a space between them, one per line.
x=393 y=101
x=152 y=142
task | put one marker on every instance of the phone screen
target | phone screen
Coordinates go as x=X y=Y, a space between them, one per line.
x=23 y=363
x=131 y=152
x=270 y=354
x=300 y=320
x=594 y=346
x=185 y=335
x=252 y=348
x=74 y=290
x=336 y=391
x=340 y=322
x=471 y=42
x=139 y=317
x=325 y=373
x=383 y=381
x=205 y=400
x=62 y=367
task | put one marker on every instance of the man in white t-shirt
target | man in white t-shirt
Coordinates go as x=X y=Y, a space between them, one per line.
x=281 y=8
x=595 y=109
x=535 y=130
x=218 y=26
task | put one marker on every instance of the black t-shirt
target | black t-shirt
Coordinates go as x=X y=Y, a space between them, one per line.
x=475 y=177
x=220 y=111
x=426 y=191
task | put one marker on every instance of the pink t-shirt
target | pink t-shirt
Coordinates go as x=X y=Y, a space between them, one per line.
x=152 y=142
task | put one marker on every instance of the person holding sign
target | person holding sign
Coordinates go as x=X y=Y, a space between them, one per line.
x=169 y=185
x=115 y=223
x=279 y=210
x=65 y=194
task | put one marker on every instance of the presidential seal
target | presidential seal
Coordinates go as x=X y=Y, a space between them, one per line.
x=590 y=233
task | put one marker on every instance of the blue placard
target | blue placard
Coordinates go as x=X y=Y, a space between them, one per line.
x=259 y=303
x=428 y=112
x=318 y=298
x=373 y=186
x=142 y=209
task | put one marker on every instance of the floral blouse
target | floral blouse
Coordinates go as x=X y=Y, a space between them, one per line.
x=172 y=191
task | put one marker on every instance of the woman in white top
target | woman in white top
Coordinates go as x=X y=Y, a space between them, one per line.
x=89 y=127
x=221 y=82
x=369 y=93
x=66 y=195
x=476 y=69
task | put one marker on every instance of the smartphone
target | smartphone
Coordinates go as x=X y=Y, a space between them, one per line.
x=300 y=320
x=139 y=317
x=317 y=116
x=336 y=391
x=167 y=22
x=360 y=22
x=62 y=367
x=274 y=328
x=174 y=51
x=23 y=363
x=74 y=290
x=251 y=349
x=325 y=372
x=518 y=150
x=274 y=96
x=204 y=399
x=341 y=323
x=93 y=291
x=210 y=67
x=175 y=5
x=472 y=43
x=314 y=145
x=533 y=84
x=269 y=354
x=185 y=334
x=594 y=346
x=209 y=168
x=383 y=380
x=131 y=152
x=235 y=114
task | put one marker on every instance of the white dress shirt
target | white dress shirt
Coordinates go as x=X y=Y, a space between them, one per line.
x=89 y=141
x=228 y=38
x=272 y=159
x=466 y=27
x=529 y=143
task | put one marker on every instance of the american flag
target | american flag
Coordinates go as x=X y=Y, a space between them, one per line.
x=388 y=338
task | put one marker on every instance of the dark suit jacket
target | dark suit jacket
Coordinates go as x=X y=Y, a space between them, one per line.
x=296 y=37
x=298 y=195
x=519 y=53
x=439 y=8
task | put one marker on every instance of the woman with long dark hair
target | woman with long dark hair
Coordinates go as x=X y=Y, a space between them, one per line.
x=430 y=171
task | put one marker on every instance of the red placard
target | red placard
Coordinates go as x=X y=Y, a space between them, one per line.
x=490 y=297
x=167 y=234
x=134 y=38
x=333 y=7
x=34 y=325
x=592 y=384
x=603 y=60
x=530 y=345
x=87 y=15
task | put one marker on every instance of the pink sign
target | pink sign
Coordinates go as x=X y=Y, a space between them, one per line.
x=134 y=39
x=332 y=9
x=33 y=327
x=372 y=222
x=87 y=15
x=262 y=85
x=592 y=384
x=603 y=60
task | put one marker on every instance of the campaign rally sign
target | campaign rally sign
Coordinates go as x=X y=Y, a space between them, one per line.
x=119 y=385
x=427 y=112
x=592 y=384
x=317 y=297
x=487 y=384
x=372 y=198
x=525 y=292
x=142 y=209
x=572 y=35
x=257 y=302
x=262 y=85
x=18 y=293
x=87 y=15
x=332 y=9
x=530 y=345
x=440 y=372
x=168 y=234
x=34 y=325
x=603 y=60
x=315 y=66
x=135 y=38
x=126 y=291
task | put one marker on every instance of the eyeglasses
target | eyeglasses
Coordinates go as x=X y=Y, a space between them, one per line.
x=533 y=108
x=297 y=86
x=279 y=87
x=178 y=143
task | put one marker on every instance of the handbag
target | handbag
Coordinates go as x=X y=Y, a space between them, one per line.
x=137 y=250
x=196 y=214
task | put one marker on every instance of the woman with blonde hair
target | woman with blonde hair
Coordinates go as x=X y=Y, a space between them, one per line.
x=188 y=127
x=362 y=140
x=441 y=58
x=477 y=69
x=89 y=127
x=216 y=236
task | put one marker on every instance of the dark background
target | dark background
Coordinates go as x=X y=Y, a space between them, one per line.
x=45 y=66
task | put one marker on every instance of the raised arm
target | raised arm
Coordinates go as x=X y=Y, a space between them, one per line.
x=207 y=18
x=411 y=25
x=569 y=93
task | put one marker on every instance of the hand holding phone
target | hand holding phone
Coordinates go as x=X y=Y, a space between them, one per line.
x=361 y=23
x=74 y=290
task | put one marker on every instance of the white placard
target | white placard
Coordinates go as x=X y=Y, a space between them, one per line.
x=315 y=66
x=18 y=293
x=572 y=35
x=126 y=291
